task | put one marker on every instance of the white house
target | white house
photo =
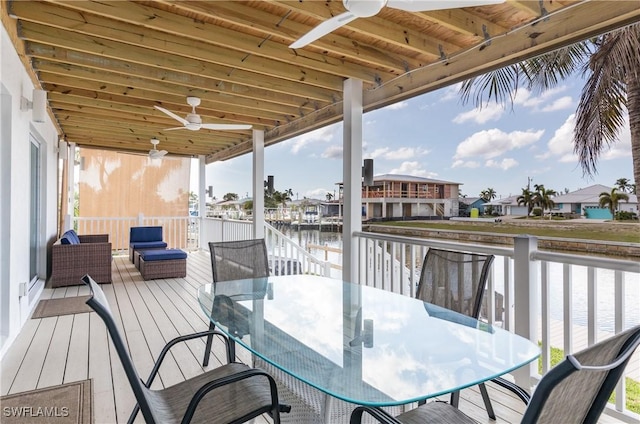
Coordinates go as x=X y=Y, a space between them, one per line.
x=586 y=202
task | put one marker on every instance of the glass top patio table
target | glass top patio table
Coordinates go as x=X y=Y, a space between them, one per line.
x=361 y=344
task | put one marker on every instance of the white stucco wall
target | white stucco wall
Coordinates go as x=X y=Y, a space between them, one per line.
x=16 y=127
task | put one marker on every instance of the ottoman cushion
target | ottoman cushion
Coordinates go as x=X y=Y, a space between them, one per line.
x=162 y=254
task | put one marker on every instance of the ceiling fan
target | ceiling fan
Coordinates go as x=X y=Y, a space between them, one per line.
x=154 y=153
x=193 y=121
x=367 y=8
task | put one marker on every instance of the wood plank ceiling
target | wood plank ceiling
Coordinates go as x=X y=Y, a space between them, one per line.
x=105 y=64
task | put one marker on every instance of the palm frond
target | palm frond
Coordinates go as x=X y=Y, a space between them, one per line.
x=601 y=110
x=500 y=86
x=546 y=71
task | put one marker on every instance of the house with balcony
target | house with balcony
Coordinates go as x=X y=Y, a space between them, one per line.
x=114 y=79
x=393 y=196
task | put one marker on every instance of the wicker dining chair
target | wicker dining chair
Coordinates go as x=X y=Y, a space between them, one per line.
x=231 y=393
x=456 y=281
x=236 y=260
x=574 y=391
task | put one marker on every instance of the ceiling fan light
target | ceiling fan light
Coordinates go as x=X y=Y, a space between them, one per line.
x=364 y=8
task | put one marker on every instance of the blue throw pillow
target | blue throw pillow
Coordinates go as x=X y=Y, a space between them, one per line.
x=70 y=237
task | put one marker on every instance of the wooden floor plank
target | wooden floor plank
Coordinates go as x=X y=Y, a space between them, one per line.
x=56 y=359
x=31 y=368
x=77 y=366
x=15 y=356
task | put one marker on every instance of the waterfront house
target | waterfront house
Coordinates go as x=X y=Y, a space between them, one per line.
x=393 y=196
x=469 y=203
x=506 y=206
x=585 y=202
x=104 y=68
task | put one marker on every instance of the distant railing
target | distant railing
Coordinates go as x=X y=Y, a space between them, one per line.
x=180 y=232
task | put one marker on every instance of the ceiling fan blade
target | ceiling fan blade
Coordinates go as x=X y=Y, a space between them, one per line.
x=157 y=154
x=173 y=115
x=226 y=126
x=426 y=5
x=323 y=29
x=174 y=128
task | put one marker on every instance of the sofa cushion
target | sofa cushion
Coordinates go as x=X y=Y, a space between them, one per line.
x=145 y=234
x=162 y=254
x=148 y=245
x=70 y=237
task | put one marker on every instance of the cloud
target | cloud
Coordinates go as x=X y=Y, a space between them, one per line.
x=318 y=193
x=490 y=112
x=565 y=102
x=396 y=106
x=504 y=164
x=543 y=102
x=561 y=144
x=494 y=142
x=401 y=153
x=451 y=92
x=412 y=168
x=465 y=164
x=324 y=134
x=332 y=152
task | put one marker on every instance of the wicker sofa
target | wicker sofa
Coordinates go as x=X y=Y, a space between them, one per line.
x=73 y=256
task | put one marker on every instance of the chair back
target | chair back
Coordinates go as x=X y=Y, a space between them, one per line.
x=236 y=260
x=578 y=388
x=98 y=302
x=454 y=280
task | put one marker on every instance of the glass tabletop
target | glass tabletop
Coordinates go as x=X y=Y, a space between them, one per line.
x=361 y=344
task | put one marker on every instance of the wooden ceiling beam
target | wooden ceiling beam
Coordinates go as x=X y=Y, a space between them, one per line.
x=144 y=107
x=276 y=30
x=103 y=48
x=148 y=40
x=181 y=26
x=90 y=79
x=122 y=68
x=125 y=95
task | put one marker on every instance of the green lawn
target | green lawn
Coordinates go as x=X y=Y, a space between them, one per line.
x=628 y=233
x=633 y=387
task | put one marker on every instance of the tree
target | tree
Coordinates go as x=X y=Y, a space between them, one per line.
x=610 y=61
x=230 y=196
x=488 y=194
x=612 y=200
x=526 y=199
x=329 y=197
x=624 y=185
x=543 y=197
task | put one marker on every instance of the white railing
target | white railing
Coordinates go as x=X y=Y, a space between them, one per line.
x=286 y=256
x=179 y=232
x=574 y=300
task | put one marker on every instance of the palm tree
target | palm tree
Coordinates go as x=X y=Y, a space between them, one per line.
x=624 y=185
x=543 y=197
x=526 y=199
x=612 y=200
x=329 y=197
x=488 y=194
x=611 y=62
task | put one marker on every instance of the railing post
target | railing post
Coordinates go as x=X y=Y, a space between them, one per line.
x=140 y=219
x=524 y=297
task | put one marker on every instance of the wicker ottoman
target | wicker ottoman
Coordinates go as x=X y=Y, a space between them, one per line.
x=162 y=263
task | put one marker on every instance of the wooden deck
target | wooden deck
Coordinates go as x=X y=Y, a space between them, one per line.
x=61 y=349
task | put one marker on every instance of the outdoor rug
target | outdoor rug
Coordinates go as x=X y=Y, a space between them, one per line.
x=69 y=403
x=62 y=306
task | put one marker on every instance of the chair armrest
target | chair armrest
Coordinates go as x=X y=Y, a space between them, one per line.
x=379 y=414
x=517 y=390
x=94 y=238
x=173 y=342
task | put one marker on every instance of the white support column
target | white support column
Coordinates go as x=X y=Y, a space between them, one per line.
x=352 y=176
x=258 y=183
x=71 y=185
x=202 y=201
x=525 y=290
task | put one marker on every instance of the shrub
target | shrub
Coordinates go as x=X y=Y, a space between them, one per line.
x=536 y=212
x=626 y=216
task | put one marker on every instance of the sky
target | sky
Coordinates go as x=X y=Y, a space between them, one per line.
x=435 y=136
